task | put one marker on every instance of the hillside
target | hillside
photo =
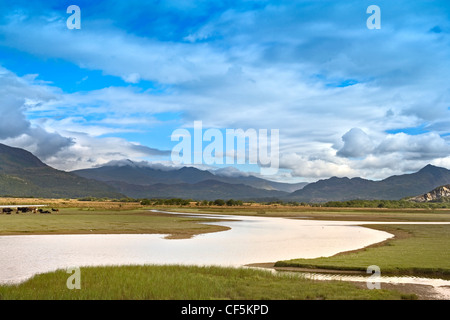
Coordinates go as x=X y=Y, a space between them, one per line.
x=128 y=176
x=24 y=175
x=392 y=188
x=439 y=194
x=203 y=190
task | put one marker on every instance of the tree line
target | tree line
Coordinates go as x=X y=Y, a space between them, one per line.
x=444 y=203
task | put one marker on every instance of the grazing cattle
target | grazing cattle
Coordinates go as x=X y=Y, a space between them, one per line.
x=7 y=210
x=55 y=210
x=43 y=211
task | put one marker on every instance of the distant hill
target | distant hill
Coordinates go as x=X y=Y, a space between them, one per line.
x=439 y=194
x=129 y=177
x=24 y=175
x=392 y=188
x=203 y=190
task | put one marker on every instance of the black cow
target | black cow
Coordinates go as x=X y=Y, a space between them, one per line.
x=7 y=210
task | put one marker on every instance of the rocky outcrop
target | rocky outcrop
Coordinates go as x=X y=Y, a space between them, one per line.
x=441 y=193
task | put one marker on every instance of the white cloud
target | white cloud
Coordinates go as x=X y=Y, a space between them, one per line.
x=356 y=144
x=88 y=151
x=115 y=52
x=16 y=96
x=425 y=146
x=132 y=77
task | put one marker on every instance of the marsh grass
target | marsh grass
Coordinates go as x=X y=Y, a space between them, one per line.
x=84 y=221
x=416 y=250
x=187 y=283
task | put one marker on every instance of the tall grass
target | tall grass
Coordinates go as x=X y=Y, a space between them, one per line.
x=186 y=283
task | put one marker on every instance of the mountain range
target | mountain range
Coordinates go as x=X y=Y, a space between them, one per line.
x=143 y=181
x=129 y=172
x=24 y=175
x=392 y=188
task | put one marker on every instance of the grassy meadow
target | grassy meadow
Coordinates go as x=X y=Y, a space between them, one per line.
x=101 y=221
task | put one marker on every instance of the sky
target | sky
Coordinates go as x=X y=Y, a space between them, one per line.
x=346 y=100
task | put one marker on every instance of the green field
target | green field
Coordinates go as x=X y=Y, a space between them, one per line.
x=98 y=221
x=187 y=282
x=416 y=250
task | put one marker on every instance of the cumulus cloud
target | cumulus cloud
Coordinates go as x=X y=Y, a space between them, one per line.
x=13 y=94
x=41 y=143
x=356 y=144
x=425 y=146
x=16 y=96
x=88 y=151
x=312 y=168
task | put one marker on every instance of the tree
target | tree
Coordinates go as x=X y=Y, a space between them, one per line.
x=231 y=202
x=219 y=202
x=146 y=202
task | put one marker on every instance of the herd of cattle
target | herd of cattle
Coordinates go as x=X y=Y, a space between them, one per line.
x=27 y=209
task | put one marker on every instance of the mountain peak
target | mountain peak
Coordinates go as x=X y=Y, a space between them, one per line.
x=121 y=163
x=189 y=169
x=11 y=157
x=431 y=168
x=24 y=175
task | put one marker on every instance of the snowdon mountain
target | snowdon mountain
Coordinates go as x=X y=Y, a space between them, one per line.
x=392 y=188
x=24 y=175
x=128 y=173
x=203 y=190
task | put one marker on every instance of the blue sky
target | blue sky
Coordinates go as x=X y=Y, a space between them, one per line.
x=347 y=101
